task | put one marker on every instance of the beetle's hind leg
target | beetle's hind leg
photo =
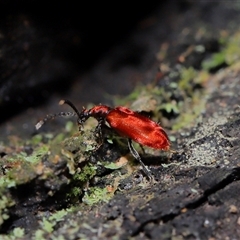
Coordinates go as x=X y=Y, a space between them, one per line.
x=137 y=156
x=142 y=148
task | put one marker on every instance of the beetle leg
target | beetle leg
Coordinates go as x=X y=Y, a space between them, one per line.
x=143 y=150
x=137 y=156
x=99 y=127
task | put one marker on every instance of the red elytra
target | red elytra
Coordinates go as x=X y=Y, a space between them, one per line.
x=132 y=125
x=125 y=122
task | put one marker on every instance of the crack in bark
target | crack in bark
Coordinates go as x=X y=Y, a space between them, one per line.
x=231 y=176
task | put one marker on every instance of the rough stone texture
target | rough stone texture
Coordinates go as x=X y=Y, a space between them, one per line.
x=196 y=195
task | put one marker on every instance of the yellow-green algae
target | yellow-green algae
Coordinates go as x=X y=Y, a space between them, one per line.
x=95 y=195
x=47 y=224
x=190 y=85
x=228 y=54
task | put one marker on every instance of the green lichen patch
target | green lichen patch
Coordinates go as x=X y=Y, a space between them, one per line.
x=16 y=234
x=48 y=224
x=87 y=160
x=80 y=146
x=29 y=164
x=21 y=167
x=96 y=194
x=176 y=101
x=229 y=53
x=53 y=166
x=86 y=173
x=5 y=203
x=182 y=92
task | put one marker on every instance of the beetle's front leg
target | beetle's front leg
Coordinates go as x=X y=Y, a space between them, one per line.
x=98 y=129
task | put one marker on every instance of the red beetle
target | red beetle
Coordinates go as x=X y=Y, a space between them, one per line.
x=125 y=122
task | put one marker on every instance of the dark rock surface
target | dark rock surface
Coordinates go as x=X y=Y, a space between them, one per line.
x=196 y=192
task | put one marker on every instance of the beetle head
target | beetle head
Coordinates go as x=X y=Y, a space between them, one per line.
x=82 y=117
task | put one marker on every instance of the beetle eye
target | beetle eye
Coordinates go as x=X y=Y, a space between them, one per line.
x=82 y=119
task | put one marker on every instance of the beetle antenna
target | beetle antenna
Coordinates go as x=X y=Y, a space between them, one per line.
x=61 y=114
x=81 y=117
x=52 y=116
x=69 y=103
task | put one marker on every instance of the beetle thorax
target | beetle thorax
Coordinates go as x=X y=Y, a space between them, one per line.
x=99 y=111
